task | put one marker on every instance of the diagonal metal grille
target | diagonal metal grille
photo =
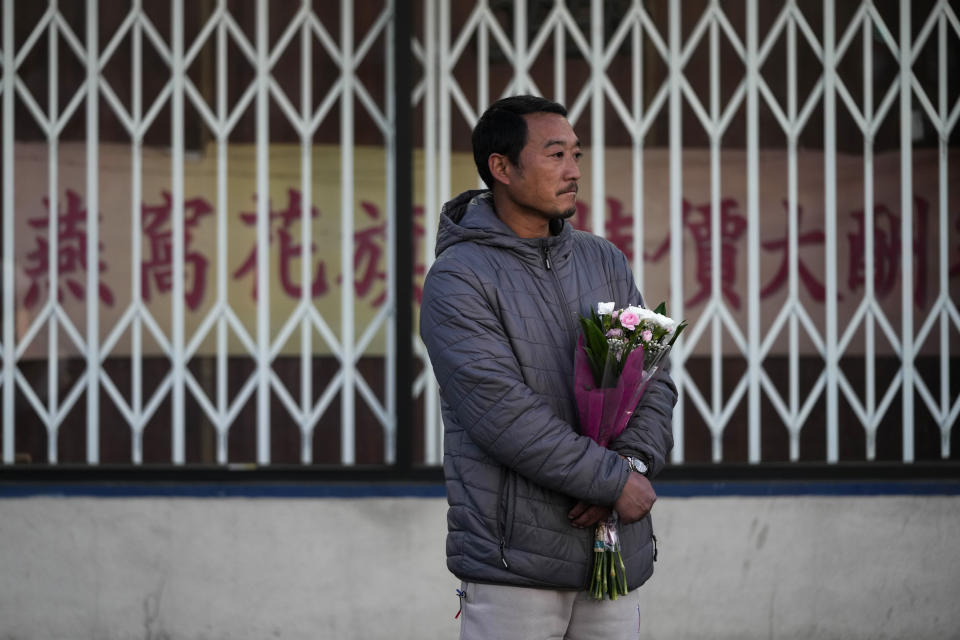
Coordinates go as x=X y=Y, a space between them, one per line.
x=347 y=338
x=702 y=97
x=819 y=318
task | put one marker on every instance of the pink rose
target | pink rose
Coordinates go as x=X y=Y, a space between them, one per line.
x=647 y=335
x=629 y=320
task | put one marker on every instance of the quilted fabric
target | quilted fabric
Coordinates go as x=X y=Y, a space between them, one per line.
x=499 y=318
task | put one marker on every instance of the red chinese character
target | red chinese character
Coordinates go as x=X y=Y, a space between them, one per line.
x=886 y=251
x=289 y=251
x=618 y=226
x=368 y=256
x=696 y=220
x=158 y=268
x=71 y=255
x=814 y=287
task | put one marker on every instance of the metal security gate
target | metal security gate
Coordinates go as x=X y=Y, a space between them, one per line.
x=820 y=307
x=67 y=322
x=597 y=57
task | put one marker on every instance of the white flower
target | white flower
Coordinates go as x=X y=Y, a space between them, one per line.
x=605 y=308
x=667 y=323
x=641 y=313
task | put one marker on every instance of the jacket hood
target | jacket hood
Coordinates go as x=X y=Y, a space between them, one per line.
x=470 y=217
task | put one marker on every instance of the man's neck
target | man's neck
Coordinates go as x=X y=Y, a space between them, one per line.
x=522 y=223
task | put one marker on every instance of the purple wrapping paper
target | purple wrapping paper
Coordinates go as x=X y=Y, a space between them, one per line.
x=604 y=412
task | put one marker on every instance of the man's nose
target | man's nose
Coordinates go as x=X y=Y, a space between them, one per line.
x=572 y=170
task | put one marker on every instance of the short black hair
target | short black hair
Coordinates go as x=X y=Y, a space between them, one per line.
x=503 y=129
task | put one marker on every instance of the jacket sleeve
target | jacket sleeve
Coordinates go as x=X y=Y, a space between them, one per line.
x=482 y=385
x=649 y=433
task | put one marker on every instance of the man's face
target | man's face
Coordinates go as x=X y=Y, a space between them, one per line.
x=545 y=182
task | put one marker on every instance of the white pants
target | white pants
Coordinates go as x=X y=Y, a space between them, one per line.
x=497 y=612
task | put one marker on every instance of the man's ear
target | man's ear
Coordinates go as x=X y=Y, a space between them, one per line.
x=498 y=165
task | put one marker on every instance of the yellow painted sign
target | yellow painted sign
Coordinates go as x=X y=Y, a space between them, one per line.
x=220 y=248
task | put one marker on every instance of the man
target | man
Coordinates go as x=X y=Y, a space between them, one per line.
x=500 y=321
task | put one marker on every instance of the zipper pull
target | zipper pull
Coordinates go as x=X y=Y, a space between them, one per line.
x=503 y=558
x=546 y=257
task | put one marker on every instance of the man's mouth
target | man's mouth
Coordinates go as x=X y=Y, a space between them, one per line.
x=571 y=189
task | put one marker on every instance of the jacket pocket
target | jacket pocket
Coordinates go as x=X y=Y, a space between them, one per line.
x=506 y=512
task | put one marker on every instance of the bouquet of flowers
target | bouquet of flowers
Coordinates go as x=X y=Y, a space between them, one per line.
x=617 y=355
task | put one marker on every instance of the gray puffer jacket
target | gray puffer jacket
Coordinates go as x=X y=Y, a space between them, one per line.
x=500 y=321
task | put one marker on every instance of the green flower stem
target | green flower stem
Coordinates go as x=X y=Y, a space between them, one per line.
x=614 y=583
x=623 y=572
x=595 y=575
x=603 y=567
x=608 y=577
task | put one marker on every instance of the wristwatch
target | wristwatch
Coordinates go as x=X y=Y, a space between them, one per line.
x=638 y=465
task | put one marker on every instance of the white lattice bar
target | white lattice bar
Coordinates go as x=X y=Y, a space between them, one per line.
x=178 y=330
x=949 y=413
x=753 y=233
x=93 y=236
x=906 y=229
x=388 y=417
x=263 y=234
x=306 y=226
x=597 y=121
x=636 y=140
x=943 y=224
x=136 y=242
x=676 y=218
x=347 y=393
x=433 y=426
x=868 y=248
x=522 y=83
x=831 y=361
x=53 y=362
x=222 y=402
x=793 y=232
x=559 y=56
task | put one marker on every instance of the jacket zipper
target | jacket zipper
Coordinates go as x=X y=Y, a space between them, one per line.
x=502 y=514
x=545 y=252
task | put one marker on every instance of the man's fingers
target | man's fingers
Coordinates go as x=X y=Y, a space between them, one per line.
x=586 y=518
x=589 y=515
x=578 y=510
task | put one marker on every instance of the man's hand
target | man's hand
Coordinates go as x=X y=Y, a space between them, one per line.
x=585 y=515
x=636 y=499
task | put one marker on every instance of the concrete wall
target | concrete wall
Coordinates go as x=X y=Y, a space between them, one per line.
x=205 y=568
